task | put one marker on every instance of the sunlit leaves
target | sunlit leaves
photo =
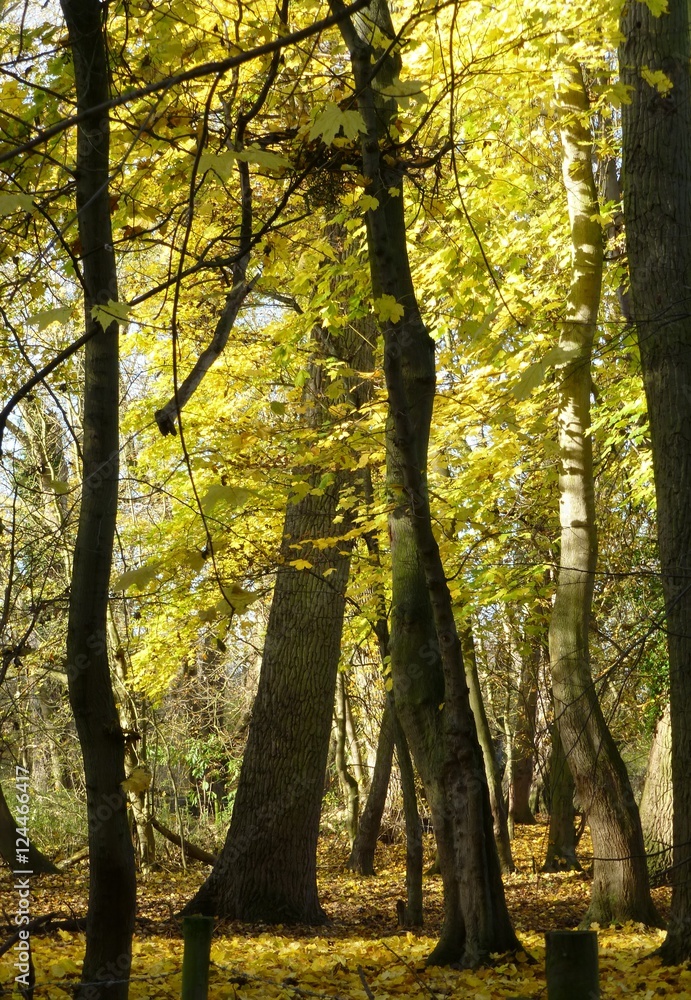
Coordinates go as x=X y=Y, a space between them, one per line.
x=329 y=122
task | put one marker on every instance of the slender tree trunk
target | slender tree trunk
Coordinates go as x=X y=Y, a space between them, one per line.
x=496 y=795
x=354 y=746
x=413 y=915
x=110 y=919
x=620 y=889
x=657 y=802
x=521 y=774
x=656 y=128
x=561 y=843
x=432 y=700
x=349 y=785
x=362 y=854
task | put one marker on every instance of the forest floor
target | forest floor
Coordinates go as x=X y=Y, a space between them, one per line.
x=360 y=947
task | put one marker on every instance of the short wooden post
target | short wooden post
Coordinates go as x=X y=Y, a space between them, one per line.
x=572 y=968
x=196 y=933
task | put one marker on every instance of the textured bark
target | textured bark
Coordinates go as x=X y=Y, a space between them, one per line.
x=620 y=889
x=657 y=211
x=110 y=918
x=267 y=868
x=561 y=842
x=429 y=684
x=657 y=802
x=37 y=862
x=362 y=854
x=496 y=795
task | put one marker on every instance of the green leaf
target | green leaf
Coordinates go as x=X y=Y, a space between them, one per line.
x=111 y=312
x=59 y=487
x=387 y=308
x=48 y=316
x=9 y=203
x=263 y=158
x=331 y=120
x=277 y=407
x=229 y=496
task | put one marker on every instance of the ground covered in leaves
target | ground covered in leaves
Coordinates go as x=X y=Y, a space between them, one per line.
x=360 y=953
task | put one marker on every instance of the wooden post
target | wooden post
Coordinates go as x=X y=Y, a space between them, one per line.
x=196 y=932
x=572 y=969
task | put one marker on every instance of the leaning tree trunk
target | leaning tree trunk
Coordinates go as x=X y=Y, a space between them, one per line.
x=267 y=868
x=110 y=918
x=657 y=810
x=620 y=889
x=429 y=684
x=361 y=858
x=496 y=795
x=657 y=211
x=36 y=862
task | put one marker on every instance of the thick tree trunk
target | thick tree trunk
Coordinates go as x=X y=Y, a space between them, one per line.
x=432 y=700
x=561 y=842
x=110 y=919
x=657 y=803
x=657 y=209
x=349 y=784
x=37 y=863
x=267 y=868
x=620 y=889
x=362 y=854
x=496 y=795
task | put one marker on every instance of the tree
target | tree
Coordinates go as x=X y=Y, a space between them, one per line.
x=620 y=888
x=110 y=920
x=433 y=704
x=654 y=60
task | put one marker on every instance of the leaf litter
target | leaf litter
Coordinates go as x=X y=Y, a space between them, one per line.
x=361 y=953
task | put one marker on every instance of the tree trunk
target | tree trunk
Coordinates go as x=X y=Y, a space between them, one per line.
x=110 y=919
x=349 y=785
x=620 y=889
x=362 y=854
x=657 y=209
x=522 y=763
x=561 y=842
x=657 y=811
x=496 y=795
x=413 y=915
x=267 y=869
x=432 y=700
x=37 y=863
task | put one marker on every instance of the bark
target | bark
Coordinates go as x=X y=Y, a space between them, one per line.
x=413 y=915
x=361 y=858
x=620 y=889
x=110 y=918
x=37 y=863
x=657 y=811
x=354 y=746
x=523 y=756
x=432 y=701
x=267 y=868
x=349 y=784
x=657 y=211
x=561 y=841
x=496 y=795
